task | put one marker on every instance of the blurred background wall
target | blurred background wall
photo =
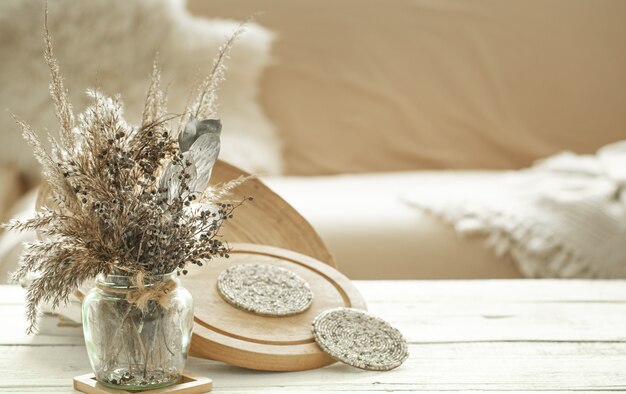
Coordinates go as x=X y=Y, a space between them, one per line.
x=366 y=85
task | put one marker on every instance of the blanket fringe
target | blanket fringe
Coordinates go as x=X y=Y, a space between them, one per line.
x=536 y=253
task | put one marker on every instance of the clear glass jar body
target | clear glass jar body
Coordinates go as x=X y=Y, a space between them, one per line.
x=133 y=348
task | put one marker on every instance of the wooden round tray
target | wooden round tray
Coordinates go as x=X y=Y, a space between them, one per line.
x=223 y=332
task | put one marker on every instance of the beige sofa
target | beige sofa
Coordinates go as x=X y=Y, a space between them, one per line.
x=386 y=89
x=375 y=98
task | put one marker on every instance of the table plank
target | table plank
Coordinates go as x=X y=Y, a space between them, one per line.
x=428 y=314
x=494 y=291
x=436 y=323
x=506 y=335
x=428 y=291
x=468 y=366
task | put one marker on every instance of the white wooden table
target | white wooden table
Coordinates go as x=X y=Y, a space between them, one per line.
x=505 y=335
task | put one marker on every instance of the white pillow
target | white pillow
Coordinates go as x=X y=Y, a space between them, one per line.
x=111 y=44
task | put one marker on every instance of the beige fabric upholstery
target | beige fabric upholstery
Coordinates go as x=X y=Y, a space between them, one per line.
x=363 y=220
x=374 y=234
x=429 y=84
x=10 y=190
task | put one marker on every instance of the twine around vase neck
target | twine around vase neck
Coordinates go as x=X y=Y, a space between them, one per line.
x=140 y=294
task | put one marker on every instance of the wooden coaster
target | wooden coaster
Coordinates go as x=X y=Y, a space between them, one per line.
x=225 y=333
x=188 y=384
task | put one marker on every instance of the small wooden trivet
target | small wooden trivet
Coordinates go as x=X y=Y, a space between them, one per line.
x=188 y=384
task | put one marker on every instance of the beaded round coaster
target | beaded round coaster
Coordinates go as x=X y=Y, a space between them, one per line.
x=359 y=339
x=265 y=289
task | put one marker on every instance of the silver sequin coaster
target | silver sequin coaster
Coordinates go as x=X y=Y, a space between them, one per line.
x=265 y=289
x=359 y=339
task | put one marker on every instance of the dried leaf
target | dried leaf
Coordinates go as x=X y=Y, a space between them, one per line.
x=204 y=153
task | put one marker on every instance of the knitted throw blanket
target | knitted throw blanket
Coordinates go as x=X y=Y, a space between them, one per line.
x=565 y=217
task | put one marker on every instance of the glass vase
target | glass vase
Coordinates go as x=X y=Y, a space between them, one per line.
x=135 y=346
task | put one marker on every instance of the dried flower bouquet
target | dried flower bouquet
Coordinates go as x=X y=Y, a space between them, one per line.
x=132 y=206
x=125 y=200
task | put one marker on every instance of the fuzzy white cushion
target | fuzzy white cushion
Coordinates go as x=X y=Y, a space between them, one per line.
x=111 y=44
